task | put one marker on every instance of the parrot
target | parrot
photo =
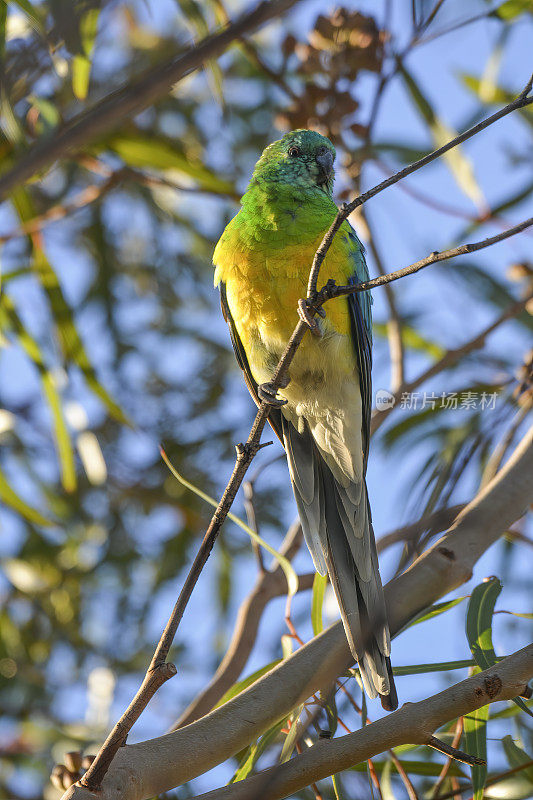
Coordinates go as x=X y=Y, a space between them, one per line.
x=322 y=415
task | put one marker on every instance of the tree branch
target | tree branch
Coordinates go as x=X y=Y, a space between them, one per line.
x=414 y=723
x=133 y=97
x=142 y=770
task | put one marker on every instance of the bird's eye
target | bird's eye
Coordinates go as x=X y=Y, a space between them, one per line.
x=294 y=151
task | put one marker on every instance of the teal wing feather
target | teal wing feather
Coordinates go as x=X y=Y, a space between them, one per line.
x=360 y=307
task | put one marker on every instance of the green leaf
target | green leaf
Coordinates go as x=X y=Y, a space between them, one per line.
x=499 y=94
x=435 y=611
x=460 y=166
x=81 y=63
x=517 y=757
x=285 y=564
x=336 y=787
x=387 y=792
x=516 y=614
x=10 y=319
x=141 y=150
x=69 y=338
x=430 y=769
x=513 y=8
x=416 y=669
x=256 y=750
x=479 y=622
x=319 y=587
x=293 y=735
x=11 y=499
x=414 y=340
x=475 y=734
x=243 y=684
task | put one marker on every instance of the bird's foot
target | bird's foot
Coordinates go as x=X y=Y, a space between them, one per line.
x=269 y=395
x=303 y=312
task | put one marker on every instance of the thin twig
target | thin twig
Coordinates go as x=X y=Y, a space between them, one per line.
x=433 y=258
x=272 y=583
x=521 y=101
x=454 y=753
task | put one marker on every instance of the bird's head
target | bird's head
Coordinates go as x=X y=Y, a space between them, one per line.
x=302 y=160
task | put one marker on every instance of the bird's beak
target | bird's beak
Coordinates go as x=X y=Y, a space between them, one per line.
x=325 y=163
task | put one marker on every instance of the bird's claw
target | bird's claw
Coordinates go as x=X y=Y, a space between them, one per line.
x=305 y=316
x=269 y=395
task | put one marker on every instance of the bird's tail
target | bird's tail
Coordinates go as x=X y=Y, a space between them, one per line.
x=338 y=530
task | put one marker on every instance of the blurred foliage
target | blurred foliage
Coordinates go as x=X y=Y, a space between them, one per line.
x=112 y=343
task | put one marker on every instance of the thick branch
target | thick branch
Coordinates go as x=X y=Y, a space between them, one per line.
x=142 y=770
x=414 y=723
x=135 y=96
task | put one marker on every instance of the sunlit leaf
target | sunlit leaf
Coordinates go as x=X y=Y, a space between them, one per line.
x=10 y=319
x=81 y=63
x=336 y=787
x=460 y=166
x=414 y=340
x=12 y=499
x=256 y=750
x=499 y=94
x=436 y=610
x=69 y=338
x=320 y=583
x=387 y=792
x=292 y=737
x=430 y=769
x=511 y=9
x=24 y=576
x=443 y=666
x=142 y=150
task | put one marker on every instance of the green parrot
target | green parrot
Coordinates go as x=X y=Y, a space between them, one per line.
x=322 y=416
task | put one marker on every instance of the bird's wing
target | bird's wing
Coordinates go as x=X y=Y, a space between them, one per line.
x=360 y=308
x=274 y=416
